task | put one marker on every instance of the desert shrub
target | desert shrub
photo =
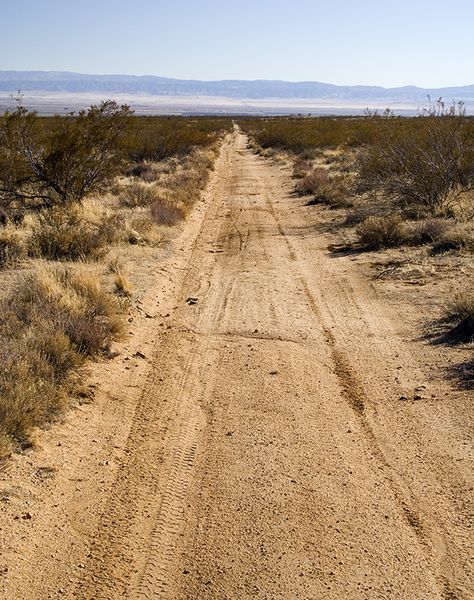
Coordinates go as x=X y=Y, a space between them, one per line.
x=142 y=230
x=338 y=193
x=50 y=322
x=312 y=182
x=381 y=232
x=60 y=160
x=165 y=212
x=301 y=168
x=137 y=194
x=455 y=239
x=333 y=190
x=143 y=171
x=63 y=234
x=460 y=310
x=461 y=306
x=305 y=136
x=431 y=166
x=158 y=138
x=428 y=231
x=12 y=247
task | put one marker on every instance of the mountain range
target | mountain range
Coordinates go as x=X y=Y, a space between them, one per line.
x=241 y=93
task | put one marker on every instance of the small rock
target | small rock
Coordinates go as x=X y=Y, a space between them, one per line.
x=273 y=372
x=139 y=354
x=191 y=300
x=403 y=398
x=27 y=516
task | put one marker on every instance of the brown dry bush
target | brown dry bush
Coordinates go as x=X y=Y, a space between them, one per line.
x=313 y=182
x=456 y=238
x=461 y=310
x=136 y=195
x=122 y=284
x=64 y=234
x=165 y=212
x=50 y=322
x=301 y=167
x=382 y=232
x=142 y=170
x=428 y=231
x=12 y=247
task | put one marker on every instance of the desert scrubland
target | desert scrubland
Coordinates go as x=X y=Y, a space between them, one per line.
x=236 y=356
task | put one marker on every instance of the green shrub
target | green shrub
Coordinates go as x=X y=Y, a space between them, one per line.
x=60 y=160
x=429 y=167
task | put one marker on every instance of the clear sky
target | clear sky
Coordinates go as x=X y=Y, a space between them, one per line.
x=418 y=42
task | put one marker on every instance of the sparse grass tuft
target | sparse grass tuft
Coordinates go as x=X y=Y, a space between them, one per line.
x=461 y=306
x=123 y=287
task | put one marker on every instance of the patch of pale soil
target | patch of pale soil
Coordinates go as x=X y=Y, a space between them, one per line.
x=270 y=445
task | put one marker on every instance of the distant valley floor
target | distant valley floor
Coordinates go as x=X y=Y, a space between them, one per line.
x=58 y=103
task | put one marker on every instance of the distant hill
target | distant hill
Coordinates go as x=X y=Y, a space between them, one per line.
x=63 y=83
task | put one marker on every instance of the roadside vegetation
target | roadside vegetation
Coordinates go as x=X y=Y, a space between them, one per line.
x=398 y=184
x=79 y=195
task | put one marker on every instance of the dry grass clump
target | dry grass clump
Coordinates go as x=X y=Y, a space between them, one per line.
x=141 y=230
x=338 y=191
x=428 y=231
x=461 y=306
x=165 y=212
x=137 y=195
x=50 y=322
x=122 y=284
x=461 y=310
x=459 y=238
x=301 y=168
x=313 y=182
x=64 y=234
x=377 y=232
x=335 y=190
x=143 y=170
x=12 y=247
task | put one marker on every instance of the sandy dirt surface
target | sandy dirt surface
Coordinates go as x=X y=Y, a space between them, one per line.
x=282 y=434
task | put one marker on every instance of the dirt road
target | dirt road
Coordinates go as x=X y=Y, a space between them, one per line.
x=275 y=449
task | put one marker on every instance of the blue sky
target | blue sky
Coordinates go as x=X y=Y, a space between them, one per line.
x=427 y=43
